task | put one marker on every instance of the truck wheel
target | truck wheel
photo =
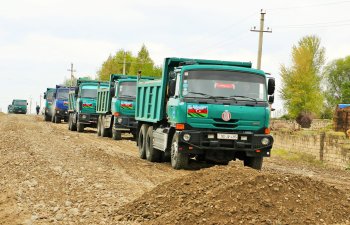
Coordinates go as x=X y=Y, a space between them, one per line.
x=152 y=154
x=104 y=131
x=178 y=159
x=99 y=126
x=253 y=162
x=116 y=134
x=69 y=123
x=57 y=119
x=46 y=118
x=80 y=127
x=74 y=125
x=141 y=141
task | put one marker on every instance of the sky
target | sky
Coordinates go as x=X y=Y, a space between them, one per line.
x=39 y=39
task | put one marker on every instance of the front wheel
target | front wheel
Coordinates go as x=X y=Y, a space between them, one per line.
x=178 y=160
x=253 y=162
x=116 y=134
x=57 y=119
x=105 y=132
x=80 y=127
x=99 y=126
x=141 y=141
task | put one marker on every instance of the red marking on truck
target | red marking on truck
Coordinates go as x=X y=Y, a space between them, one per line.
x=87 y=105
x=126 y=105
x=197 y=111
x=223 y=86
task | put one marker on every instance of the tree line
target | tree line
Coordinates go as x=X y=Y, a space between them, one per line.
x=310 y=87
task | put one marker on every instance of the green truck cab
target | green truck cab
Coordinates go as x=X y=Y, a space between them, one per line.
x=116 y=107
x=18 y=106
x=82 y=105
x=49 y=106
x=212 y=110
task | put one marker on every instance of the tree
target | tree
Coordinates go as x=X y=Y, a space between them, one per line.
x=337 y=82
x=301 y=83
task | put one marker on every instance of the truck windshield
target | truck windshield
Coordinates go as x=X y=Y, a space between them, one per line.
x=224 y=84
x=89 y=93
x=62 y=94
x=127 y=89
x=20 y=103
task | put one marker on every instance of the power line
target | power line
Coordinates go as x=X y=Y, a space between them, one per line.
x=308 y=6
x=314 y=24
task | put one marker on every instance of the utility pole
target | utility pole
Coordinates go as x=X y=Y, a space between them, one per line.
x=261 y=32
x=124 y=63
x=71 y=74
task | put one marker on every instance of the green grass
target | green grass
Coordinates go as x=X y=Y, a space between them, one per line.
x=297 y=156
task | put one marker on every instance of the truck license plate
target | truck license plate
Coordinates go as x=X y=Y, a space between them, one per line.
x=228 y=136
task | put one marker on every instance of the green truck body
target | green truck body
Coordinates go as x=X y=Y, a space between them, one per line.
x=116 y=106
x=212 y=110
x=82 y=104
x=18 y=106
x=49 y=100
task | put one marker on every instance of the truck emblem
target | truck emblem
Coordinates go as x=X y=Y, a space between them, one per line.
x=226 y=115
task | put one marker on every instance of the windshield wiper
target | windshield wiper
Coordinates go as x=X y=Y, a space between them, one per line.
x=200 y=93
x=242 y=96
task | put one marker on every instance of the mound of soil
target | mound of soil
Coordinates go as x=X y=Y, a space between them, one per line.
x=238 y=195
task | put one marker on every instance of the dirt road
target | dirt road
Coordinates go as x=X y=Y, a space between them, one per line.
x=51 y=175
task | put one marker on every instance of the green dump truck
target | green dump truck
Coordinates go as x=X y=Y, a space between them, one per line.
x=18 y=106
x=82 y=104
x=49 y=106
x=210 y=110
x=116 y=106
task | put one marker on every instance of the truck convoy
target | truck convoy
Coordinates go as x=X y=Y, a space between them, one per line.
x=212 y=110
x=116 y=107
x=82 y=104
x=59 y=107
x=49 y=99
x=18 y=106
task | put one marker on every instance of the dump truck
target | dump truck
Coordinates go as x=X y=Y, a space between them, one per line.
x=116 y=107
x=18 y=106
x=209 y=110
x=82 y=104
x=49 y=99
x=59 y=108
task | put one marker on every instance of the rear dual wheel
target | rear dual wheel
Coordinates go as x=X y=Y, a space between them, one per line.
x=141 y=141
x=152 y=154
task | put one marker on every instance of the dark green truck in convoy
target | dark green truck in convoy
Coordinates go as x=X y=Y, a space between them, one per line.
x=82 y=104
x=116 y=106
x=18 y=106
x=210 y=110
x=49 y=99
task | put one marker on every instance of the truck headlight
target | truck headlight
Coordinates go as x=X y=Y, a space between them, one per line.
x=120 y=120
x=265 y=141
x=186 y=137
x=211 y=136
x=83 y=116
x=58 y=112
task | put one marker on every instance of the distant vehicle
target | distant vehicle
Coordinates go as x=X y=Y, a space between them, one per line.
x=212 y=110
x=59 y=109
x=18 y=106
x=48 y=96
x=82 y=104
x=116 y=106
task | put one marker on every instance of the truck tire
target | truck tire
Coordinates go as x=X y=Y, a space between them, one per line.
x=47 y=118
x=99 y=126
x=178 y=160
x=152 y=154
x=253 y=162
x=74 y=125
x=69 y=123
x=141 y=141
x=116 y=134
x=105 y=132
x=80 y=127
x=57 y=119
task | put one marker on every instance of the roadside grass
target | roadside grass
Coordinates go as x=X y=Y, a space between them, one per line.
x=297 y=157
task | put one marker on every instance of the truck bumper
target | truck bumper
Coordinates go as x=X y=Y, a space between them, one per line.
x=125 y=123
x=62 y=113
x=202 y=141
x=88 y=118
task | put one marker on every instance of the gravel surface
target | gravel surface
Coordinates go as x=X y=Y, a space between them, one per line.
x=49 y=175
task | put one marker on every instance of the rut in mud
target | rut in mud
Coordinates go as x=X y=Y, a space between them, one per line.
x=51 y=175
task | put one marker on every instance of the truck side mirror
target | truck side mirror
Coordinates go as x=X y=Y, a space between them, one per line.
x=172 y=75
x=76 y=91
x=271 y=99
x=44 y=95
x=271 y=87
x=112 y=91
x=172 y=86
x=54 y=95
